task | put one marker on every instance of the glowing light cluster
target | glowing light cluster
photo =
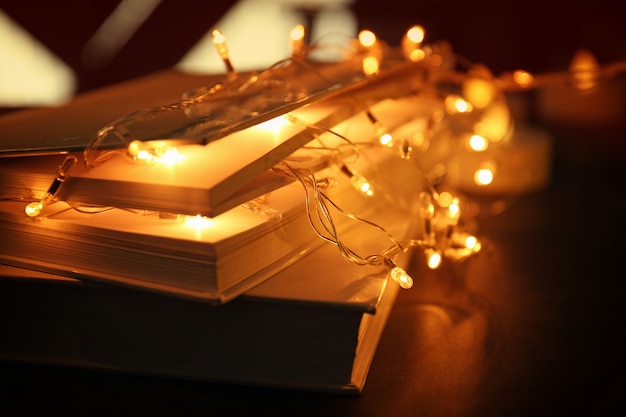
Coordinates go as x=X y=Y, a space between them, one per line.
x=469 y=115
x=159 y=152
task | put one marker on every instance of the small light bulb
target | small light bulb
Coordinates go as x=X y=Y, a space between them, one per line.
x=219 y=40
x=297 y=35
x=523 y=78
x=433 y=258
x=371 y=65
x=412 y=44
x=198 y=222
x=358 y=181
x=151 y=153
x=367 y=38
x=454 y=210
x=34 y=209
x=483 y=176
x=416 y=34
x=480 y=90
x=399 y=275
x=361 y=184
x=455 y=104
x=478 y=143
x=386 y=139
x=472 y=243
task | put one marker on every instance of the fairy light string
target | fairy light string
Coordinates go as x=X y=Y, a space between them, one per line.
x=470 y=111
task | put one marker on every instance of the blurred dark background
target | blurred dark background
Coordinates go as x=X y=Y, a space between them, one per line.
x=536 y=35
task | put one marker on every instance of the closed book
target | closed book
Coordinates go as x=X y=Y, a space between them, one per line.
x=313 y=326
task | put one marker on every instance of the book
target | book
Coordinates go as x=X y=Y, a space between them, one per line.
x=137 y=246
x=308 y=327
x=227 y=159
x=213 y=259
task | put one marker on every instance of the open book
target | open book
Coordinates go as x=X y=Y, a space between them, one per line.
x=313 y=326
x=214 y=259
x=220 y=166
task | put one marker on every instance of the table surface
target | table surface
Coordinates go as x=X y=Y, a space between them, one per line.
x=530 y=326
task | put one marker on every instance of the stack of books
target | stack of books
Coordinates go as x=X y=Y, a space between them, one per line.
x=236 y=264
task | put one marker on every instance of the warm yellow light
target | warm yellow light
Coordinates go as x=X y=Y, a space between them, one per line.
x=584 y=68
x=361 y=184
x=483 y=176
x=277 y=124
x=415 y=34
x=219 y=40
x=297 y=39
x=367 y=38
x=297 y=33
x=198 y=222
x=412 y=44
x=386 y=139
x=151 y=153
x=472 y=243
x=456 y=104
x=495 y=123
x=400 y=276
x=417 y=55
x=358 y=181
x=433 y=259
x=480 y=92
x=33 y=209
x=445 y=199
x=478 y=143
x=170 y=157
x=454 y=210
x=371 y=65
x=523 y=78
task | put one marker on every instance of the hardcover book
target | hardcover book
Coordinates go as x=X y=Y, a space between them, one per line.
x=304 y=328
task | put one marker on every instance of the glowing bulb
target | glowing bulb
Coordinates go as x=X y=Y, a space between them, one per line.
x=198 y=222
x=386 y=139
x=455 y=104
x=412 y=42
x=219 y=40
x=433 y=259
x=415 y=34
x=478 y=143
x=445 y=199
x=151 y=153
x=472 y=243
x=399 y=275
x=480 y=92
x=367 y=38
x=170 y=157
x=483 y=176
x=34 y=209
x=358 y=181
x=454 y=211
x=522 y=78
x=371 y=65
x=297 y=40
x=584 y=69
x=277 y=124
